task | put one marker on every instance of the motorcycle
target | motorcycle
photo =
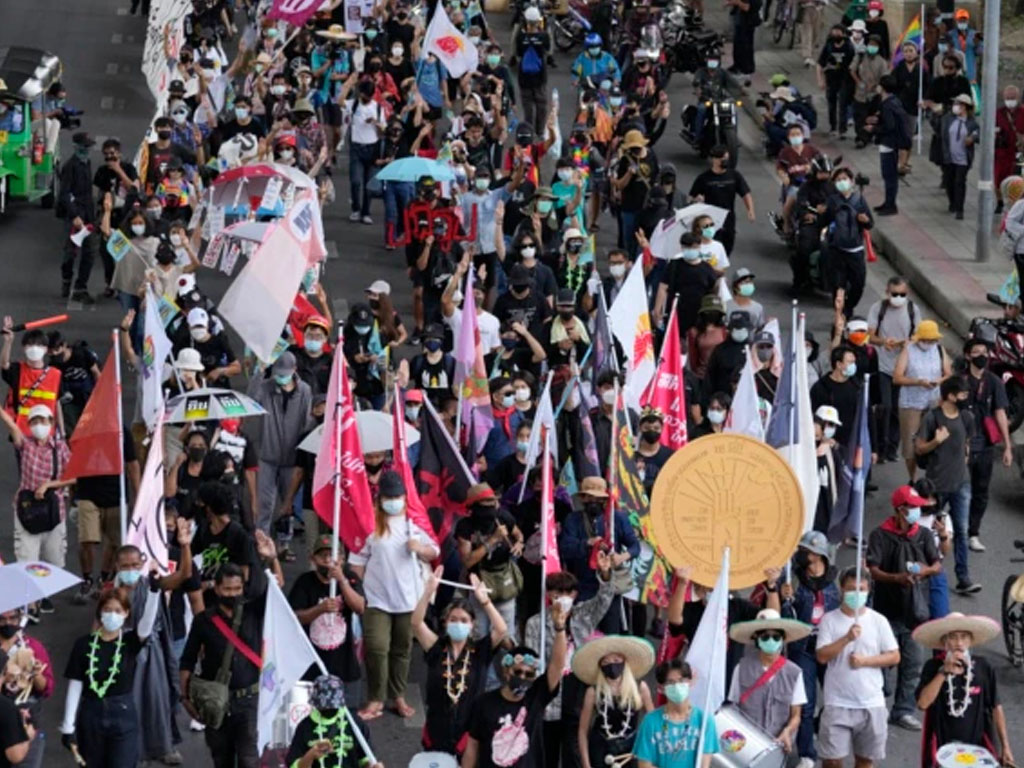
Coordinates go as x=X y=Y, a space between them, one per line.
x=686 y=48
x=569 y=30
x=1013 y=612
x=1007 y=355
x=720 y=126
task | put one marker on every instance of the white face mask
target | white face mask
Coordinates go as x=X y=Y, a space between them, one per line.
x=287 y=154
x=397 y=51
x=522 y=395
x=35 y=353
x=175 y=240
x=617 y=270
x=199 y=333
x=608 y=397
x=1011 y=103
x=138 y=229
x=40 y=431
x=897 y=301
x=179 y=117
x=716 y=416
x=277 y=90
x=565 y=602
x=528 y=253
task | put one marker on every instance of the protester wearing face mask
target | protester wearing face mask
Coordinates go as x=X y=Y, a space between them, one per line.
x=901 y=557
x=966 y=41
x=500 y=441
x=100 y=716
x=31 y=381
x=847 y=216
x=829 y=458
x=834 y=77
x=857 y=644
x=652 y=423
x=42 y=458
x=714 y=417
x=160 y=153
x=743 y=289
x=708 y=333
x=921 y=367
x=892 y=320
x=764 y=379
x=960 y=133
x=840 y=389
x=326 y=733
x=669 y=735
x=855 y=334
x=313 y=360
x=76 y=204
x=187 y=473
x=728 y=358
x=617 y=697
x=219 y=361
x=389 y=567
x=568 y=338
x=569 y=623
x=512 y=469
x=328 y=618
x=130 y=272
x=867 y=71
x=687 y=279
x=635 y=173
x=601 y=415
x=481 y=202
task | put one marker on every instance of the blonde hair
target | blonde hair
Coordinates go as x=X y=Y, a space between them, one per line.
x=629 y=691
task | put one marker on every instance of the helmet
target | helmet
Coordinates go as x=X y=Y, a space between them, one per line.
x=592 y=39
x=876 y=5
x=822 y=164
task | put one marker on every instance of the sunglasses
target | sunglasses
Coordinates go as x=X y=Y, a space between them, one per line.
x=525 y=675
x=898 y=294
x=772 y=636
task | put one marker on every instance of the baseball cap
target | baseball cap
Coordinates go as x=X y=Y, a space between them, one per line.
x=285 y=364
x=322 y=542
x=742 y=274
x=380 y=287
x=519 y=277
x=906 y=496
x=739 y=319
x=764 y=338
x=197 y=316
x=829 y=414
x=40 y=411
x=565 y=298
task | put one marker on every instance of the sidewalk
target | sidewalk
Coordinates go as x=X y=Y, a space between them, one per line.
x=924 y=242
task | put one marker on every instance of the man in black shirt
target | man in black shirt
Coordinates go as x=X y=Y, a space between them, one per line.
x=531 y=47
x=721 y=186
x=686 y=281
x=119 y=178
x=220 y=541
x=729 y=357
x=161 y=151
x=244 y=122
x=840 y=390
x=78 y=208
x=521 y=303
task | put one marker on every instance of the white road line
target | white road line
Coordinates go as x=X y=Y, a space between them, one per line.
x=117 y=38
x=112 y=68
x=122 y=11
x=107 y=102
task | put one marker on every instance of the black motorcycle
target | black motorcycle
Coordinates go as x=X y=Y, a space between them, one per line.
x=720 y=124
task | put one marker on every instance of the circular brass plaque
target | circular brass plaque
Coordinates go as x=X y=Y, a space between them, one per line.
x=727 y=491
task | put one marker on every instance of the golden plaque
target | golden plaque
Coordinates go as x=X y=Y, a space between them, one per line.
x=727 y=491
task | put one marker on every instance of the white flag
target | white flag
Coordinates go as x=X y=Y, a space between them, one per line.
x=745 y=414
x=287 y=655
x=451 y=47
x=146 y=529
x=706 y=655
x=803 y=457
x=631 y=325
x=155 y=349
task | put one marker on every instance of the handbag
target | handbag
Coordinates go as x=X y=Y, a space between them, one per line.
x=622 y=580
x=211 y=698
x=504 y=583
x=39 y=515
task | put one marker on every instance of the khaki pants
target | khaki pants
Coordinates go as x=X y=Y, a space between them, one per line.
x=811 y=23
x=387 y=638
x=49 y=547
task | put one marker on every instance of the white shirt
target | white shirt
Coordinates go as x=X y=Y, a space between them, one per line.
x=799 y=692
x=715 y=255
x=392 y=580
x=364 y=132
x=845 y=686
x=490 y=334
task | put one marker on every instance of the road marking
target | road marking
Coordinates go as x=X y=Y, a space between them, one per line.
x=117 y=38
x=107 y=102
x=122 y=11
x=332 y=249
x=112 y=68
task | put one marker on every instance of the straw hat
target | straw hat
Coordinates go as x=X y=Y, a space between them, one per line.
x=593 y=486
x=927 y=330
x=336 y=32
x=932 y=633
x=634 y=138
x=639 y=655
x=783 y=92
x=744 y=631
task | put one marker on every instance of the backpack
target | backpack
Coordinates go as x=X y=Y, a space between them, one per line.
x=911 y=311
x=532 y=62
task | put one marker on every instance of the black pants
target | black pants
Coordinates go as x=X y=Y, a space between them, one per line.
x=849 y=271
x=954 y=179
x=980 y=467
x=887 y=423
x=86 y=255
x=890 y=176
x=560 y=743
x=727 y=237
x=838 y=97
x=861 y=110
x=233 y=745
x=743 y=46
x=107 y=731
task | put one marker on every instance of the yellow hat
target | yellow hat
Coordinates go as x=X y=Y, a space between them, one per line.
x=634 y=138
x=928 y=330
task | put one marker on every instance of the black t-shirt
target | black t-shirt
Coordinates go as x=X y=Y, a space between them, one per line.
x=176 y=602
x=509 y=732
x=844 y=397
x=541 y=44
x=76 y=373
x=517 y=201
x=689 y=283
x=398 y=32
x=645 y=172
x=204 y=636
x=531 y=310
x=890 y=551
x=309 y=591
x=436 y=378
x=477 y=527
x=159 y=159
x=448 y=721
x=12 y=728
x=105 y=490
x=105 y=180
x=315 y=371
x=721 y=189
x=231 y=129
x=976 y=721
x=231 y=545
x=331 y=728
x=985 y=395
x=506 y=473
x=215 y=352
x=78 y=663
x=653 y=464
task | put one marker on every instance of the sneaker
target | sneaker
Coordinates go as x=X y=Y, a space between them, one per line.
x=967 y=587
x=805 y=762
x=367 y=220
x=886 y=210
x=975 y=545
x=195 y=725
x=45 y=606
x=172 y=758
x=83 y=296
x=81 y=596
x=354 y=216
x=907 y=722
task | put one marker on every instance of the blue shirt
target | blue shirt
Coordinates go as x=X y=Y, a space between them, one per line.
x=329 y=90
x=486 y=203
x=429 y=76
x=668 y=744
x=604 y=67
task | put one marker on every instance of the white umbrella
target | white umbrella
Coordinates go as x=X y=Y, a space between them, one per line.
x=375 y=429
x=665 y=238
x=28 y=582
x=211 y=404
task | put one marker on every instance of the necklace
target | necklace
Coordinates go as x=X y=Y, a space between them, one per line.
x=605 y=707
x=955 y=709
x=115 y=664
x=455 y=682
x=342 y=742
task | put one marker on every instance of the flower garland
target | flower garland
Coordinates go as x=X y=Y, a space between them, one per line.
x=459 y=677
x=605 y=705
x=343 y=742
x=958 y=710
x=574 y=276
x=115 y=665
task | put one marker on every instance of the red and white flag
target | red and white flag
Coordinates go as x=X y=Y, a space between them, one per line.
x=340 y=464
x=296 y=12
x=667 y=392
x=95 y=444
x=549 y=536
x=449 y=45
x=415 y=509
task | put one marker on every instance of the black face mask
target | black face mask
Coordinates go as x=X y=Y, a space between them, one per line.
x=566 y=314
x=374 y=303
x=163 y=135
x=613 y=670
x=962 y=404
x=980 y=361
x=322 y=571
x=374 y=468
x=196 y=454
x=518 y=685
x=651 y=435
x=593 y=508
x=231 y=603
x=7 y=631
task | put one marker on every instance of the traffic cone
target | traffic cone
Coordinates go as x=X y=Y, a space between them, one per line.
x=869 y=249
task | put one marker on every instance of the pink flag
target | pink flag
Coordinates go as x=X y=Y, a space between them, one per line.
x=415 y=510
x=549 y=537
x=296 y=12
x=470 y=372
x=340 y=462
x=667 y=392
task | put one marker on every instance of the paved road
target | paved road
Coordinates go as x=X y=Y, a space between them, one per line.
x=101 y=46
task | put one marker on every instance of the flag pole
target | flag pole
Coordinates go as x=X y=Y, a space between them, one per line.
x=613 y=462
x=920 y=85
x=336 y=515
x=792 y=409
x=115 y=335
x=546 y=480
x=714 y=655
x=522 y=485
x=860 y=511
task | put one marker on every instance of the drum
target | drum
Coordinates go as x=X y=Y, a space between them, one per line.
x=433 y=760
x=956 y=754
x=742 y=744
x=296 y=707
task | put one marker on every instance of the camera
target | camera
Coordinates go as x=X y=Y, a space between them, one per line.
x=861 y=180
x=70 y=118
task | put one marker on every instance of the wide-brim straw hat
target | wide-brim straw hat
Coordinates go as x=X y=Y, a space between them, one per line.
x=336 y=32
x=982 y=629
x=744 y=631
x=639 y=655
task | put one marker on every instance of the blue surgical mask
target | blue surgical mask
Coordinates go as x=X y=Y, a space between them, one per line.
x=829 y=432
x=412 y=412
x=284 y=380
x=594 y=51
x=615 y=101
x=677 y=693
x=843 y=185
x=855 y=600
x=241 y=112
x=522 y=446
x=872 y=50
x=313 y=345
x=362 y=330
x=712 y=63
x=371 y=34
x=746 y=289
x=769 y=644
x=691 y=255
x=482 y=183
x=508 y=401
x=796 y=141
x=913 y=515
x=850 y=370
x=740 y=335
x=112 y=620
x=962 y=26
x=393 y=506
x=432 y=345
x=544 y=207
x=458 y=631
x=129 y=577
x=708 y=232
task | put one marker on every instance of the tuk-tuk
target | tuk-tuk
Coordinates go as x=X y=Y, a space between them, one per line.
x=27 y=169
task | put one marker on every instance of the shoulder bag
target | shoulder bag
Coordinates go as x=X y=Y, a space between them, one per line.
x=40 y=515
x=211 y=698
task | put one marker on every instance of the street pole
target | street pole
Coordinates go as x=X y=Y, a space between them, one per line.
x=986 y=162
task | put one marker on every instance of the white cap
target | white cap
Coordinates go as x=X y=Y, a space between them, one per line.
x=856 y=325
x=532 y=13
x=197 y=316
x=380 y=287
x=829 y=414
x=859 y=26
x=186 y=284
x=571 y=233
x=189 y=359
x=40 y=410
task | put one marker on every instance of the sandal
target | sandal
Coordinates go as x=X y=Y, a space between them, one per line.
x=371 y=711
x=403 y=710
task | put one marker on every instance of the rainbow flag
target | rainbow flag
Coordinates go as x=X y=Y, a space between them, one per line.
x=914 y=33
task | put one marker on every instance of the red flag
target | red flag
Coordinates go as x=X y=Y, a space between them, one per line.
x=552 y=562
x=95 y=445
x=415 y=510
x=667 y=392
x=356 y=518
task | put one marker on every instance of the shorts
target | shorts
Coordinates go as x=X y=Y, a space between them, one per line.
x=96 y=524
x=860 y=732
x=910 y=423
x=331 y=114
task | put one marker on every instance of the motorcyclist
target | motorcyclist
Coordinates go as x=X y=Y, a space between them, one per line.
x=595 y=67
x=792 y=166
x=643 y=83
x=710 y=83
x=811 y=200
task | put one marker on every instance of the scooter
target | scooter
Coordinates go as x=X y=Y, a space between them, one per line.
x=1006 y=335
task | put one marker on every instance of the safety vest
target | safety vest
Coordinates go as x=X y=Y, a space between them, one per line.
x=35 y=386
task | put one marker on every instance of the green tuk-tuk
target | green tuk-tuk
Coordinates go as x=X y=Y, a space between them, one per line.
x=27 y=169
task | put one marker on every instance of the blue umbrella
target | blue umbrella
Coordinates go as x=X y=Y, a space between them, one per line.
x=411 y=168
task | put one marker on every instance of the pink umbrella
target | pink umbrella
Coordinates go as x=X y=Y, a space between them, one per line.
x=251 y=181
